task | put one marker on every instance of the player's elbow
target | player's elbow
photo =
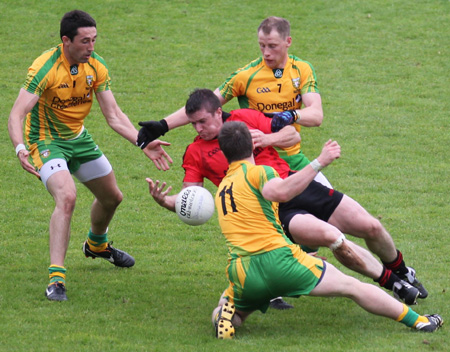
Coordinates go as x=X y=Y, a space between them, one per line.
x=276 y=193
x=318 y=119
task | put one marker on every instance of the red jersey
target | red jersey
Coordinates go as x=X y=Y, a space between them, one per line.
x=204 y=159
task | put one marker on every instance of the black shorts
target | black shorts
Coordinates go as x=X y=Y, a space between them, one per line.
x=316 y=199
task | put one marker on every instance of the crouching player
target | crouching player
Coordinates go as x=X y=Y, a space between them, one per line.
x=263 y=262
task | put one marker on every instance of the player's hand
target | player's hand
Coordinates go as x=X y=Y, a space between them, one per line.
x=282 y=119
x=157 y=191
x=259 y=138
x=158 y=155
x=330 y=151
x=23 y=158
x=150 y=131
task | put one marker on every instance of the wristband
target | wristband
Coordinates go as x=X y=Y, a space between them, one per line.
x=316 y=165
x=19 y=148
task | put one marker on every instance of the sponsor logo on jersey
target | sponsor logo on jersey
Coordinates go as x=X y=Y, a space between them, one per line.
x=278 y=72
x=74 y=70
x=63 y=85
x=62 y=104
x=285 y=105
x=260 y=90
x=213 y=151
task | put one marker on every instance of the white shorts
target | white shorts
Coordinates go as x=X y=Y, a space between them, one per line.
x=88 y=171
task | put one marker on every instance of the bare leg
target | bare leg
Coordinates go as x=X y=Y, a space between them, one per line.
x=371 y=298
x=61 y=186
x=351 y=218
x=107 y=199
x=306 y=229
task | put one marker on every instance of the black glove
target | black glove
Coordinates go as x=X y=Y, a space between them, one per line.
x=284 y=118
x=150 y=131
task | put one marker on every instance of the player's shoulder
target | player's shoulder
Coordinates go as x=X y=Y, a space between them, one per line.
x=252 y=66
x=259 y=174
x=96 y=59
x=298 y=62
x=49 y=57
x=244 y=114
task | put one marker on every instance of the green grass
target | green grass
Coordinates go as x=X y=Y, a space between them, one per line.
x=383 y=74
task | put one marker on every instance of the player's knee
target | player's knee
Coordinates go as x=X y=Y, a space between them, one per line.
x=113 y=201
x=373 y=228
x=331 y=237
x=337 y=243
x=66 y=201
x=237 y=320
x=119 y=198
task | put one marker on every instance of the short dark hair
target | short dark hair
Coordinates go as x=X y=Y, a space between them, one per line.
x=281 y=25
x=202 y=99
x=73 y=20
x=235 y=141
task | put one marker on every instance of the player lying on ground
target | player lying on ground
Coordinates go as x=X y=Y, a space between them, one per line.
x=262 y=260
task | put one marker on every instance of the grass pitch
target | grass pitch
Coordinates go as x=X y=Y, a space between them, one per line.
x=383 y=70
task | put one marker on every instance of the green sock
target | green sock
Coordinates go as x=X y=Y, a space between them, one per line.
x=57 y=273
x=97 y=243
x=408 y=317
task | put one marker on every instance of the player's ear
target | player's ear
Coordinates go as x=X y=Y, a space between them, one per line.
x=289 y=41
x=65 y=39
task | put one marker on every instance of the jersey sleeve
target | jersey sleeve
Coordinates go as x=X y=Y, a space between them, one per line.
x=237 y=83
x=308 y=83
x=103 y=81
x=39 y=76
x=262 y=174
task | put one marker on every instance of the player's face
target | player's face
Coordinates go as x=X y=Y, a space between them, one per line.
x=80 y=49
x=274 y=48
x=206 y=124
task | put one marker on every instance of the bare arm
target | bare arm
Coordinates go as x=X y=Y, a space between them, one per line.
x=161 y=196
x=283 y=190
x=115 y=118
x=120 y=123
x=312 y=113
x=286 y=137
x=22 y=106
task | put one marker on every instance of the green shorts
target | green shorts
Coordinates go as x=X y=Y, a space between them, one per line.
x=296 y=162
x=76 y=151
x=286 y=272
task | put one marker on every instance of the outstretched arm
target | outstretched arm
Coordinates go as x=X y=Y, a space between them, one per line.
x=152 y=130
x=161 y=196
x=120 y=123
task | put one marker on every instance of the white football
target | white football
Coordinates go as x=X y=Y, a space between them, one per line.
x=194 y=205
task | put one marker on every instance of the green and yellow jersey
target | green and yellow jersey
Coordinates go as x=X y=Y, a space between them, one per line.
x=65 y=94
x=248 y=221
x=259 y=87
